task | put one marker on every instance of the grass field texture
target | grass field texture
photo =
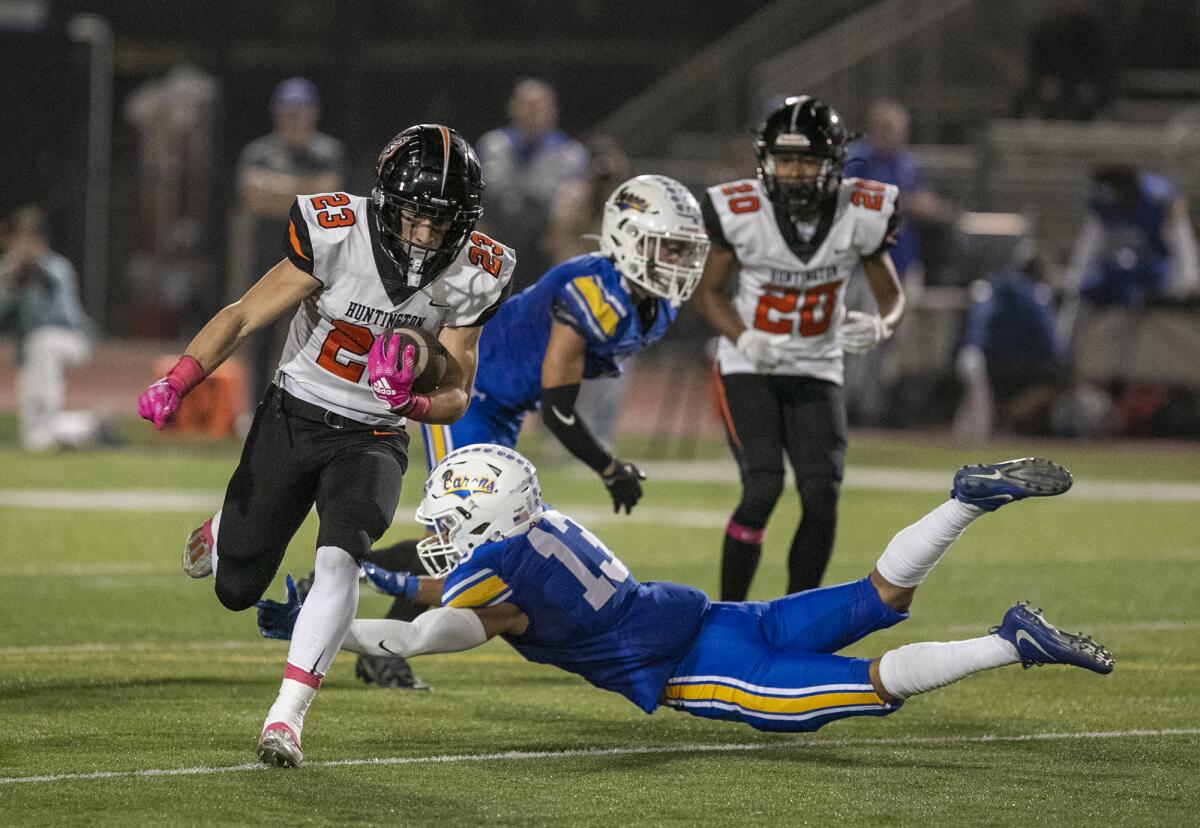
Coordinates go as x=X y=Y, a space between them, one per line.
x=113 y=664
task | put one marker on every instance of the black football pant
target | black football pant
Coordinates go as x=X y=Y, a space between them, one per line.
x=767 y=417
x=297 y=455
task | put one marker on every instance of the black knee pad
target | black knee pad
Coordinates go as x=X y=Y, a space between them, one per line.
x=237 y=592
x=760 y=492
x=356 y=540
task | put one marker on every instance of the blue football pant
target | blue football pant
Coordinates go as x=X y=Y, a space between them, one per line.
x=483 y=422
x=771 y=664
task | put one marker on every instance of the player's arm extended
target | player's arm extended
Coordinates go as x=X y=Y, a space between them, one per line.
x=712 y=294
x=442 y=630
x=562 y=372
x=449 y=400
x=283 y=286
x=885 y=287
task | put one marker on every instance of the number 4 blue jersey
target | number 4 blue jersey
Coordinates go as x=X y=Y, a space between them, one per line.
x=587 y=614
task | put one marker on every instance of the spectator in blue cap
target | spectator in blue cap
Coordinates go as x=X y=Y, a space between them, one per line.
x=293 y=159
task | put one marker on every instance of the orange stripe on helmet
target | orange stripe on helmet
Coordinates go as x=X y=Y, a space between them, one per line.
x=445 y=156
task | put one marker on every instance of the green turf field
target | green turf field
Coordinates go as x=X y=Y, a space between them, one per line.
x=113 y=664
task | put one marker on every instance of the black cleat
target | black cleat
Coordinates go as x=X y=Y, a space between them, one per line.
x=388 y=671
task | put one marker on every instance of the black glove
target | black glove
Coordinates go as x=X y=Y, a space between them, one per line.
x=624 y=485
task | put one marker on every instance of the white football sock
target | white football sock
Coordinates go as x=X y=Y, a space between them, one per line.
x=216 y=525
x=295 y=695
x=916 y=549
x=327 y=612
x=919 y=668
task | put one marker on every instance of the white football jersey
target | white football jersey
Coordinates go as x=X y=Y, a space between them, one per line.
x=325 y=359
x=797 y=288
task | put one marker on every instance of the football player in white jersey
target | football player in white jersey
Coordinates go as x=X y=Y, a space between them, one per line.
x=330 y=430
x=791 y=239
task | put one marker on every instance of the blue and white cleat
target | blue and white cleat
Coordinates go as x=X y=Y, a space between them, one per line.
x=990 y=485
x=1040 y=642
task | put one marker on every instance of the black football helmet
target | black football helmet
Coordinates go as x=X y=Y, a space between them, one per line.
x=430 y=171
x=805 y=126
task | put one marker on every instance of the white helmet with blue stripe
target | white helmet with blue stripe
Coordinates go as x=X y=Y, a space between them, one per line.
x=476 y=495
x=652 y=229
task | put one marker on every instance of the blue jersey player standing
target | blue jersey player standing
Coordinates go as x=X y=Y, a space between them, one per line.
x=579 y=321
x=509 y=565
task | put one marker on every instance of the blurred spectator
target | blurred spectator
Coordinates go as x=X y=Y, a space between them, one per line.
x=171 y=268
x=1136 y=245
x=272 y=170
x=578 y=205
x=883 y=155
x=1010 y=363
x=573 y=229
x=1072 y=66
x=39 y=298
x=524 y=164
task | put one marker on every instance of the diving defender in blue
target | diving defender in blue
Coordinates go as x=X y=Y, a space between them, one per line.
x=580 y=321
x=505 y=564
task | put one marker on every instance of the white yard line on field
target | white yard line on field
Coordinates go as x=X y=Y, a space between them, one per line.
x=705 y=471
x=517 y=755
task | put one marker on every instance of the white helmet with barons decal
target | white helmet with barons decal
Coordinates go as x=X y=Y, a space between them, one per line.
x=652 y=229
x=476 y=495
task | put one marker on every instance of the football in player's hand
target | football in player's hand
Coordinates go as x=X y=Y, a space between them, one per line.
x=431 y=356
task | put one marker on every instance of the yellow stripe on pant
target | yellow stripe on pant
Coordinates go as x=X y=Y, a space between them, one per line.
x=440 y=435
x=768 y=704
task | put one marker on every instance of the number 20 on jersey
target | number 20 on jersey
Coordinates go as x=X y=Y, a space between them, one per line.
x=797 y=312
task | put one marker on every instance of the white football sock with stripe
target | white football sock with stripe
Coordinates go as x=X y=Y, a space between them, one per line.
x=321 y=626
x=916 y=549
x=327 y=612
x=919 y=668
x=295 y=695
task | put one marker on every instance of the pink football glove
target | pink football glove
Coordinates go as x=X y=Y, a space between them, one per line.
x=391 y=379
x=161 y=400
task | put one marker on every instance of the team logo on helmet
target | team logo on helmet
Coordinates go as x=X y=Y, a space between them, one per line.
x=626 y=200
x=466 y=485
x=793 y=141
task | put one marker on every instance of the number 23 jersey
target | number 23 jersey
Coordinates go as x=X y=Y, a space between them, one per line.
x=790 y=284
x=332 y=237
x=587 y=614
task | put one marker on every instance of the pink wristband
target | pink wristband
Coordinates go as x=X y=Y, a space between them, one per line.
x=185 y=376
x=417 y=408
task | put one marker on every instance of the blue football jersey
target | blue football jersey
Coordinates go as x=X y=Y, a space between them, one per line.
x=585 y=293
x=587 y=614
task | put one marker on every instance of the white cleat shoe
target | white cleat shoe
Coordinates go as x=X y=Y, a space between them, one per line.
x=279 y=747
x=197 y=552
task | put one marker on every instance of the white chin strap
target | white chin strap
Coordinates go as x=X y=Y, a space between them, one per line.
x=416 y=263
